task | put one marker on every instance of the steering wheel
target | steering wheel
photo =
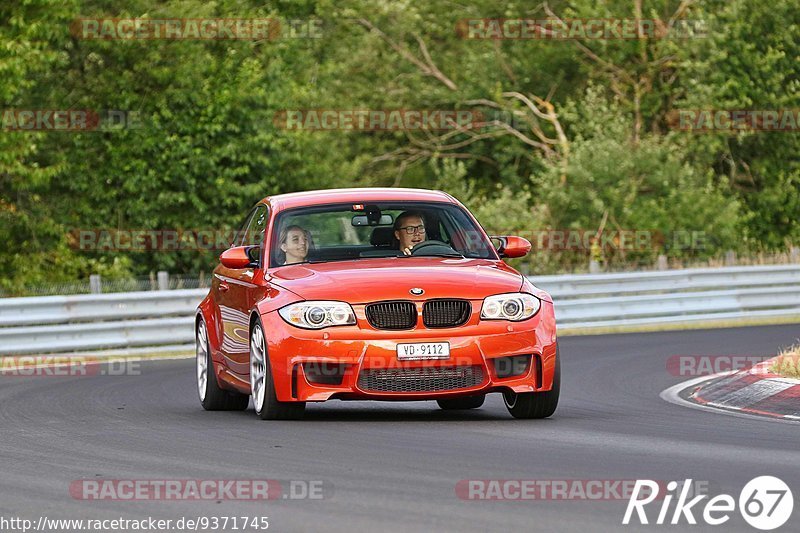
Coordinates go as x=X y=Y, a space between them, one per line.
x=433 y=247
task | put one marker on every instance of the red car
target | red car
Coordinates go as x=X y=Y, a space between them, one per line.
x=373 y=294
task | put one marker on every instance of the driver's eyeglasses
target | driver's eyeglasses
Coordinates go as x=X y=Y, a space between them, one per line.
x=411 y=230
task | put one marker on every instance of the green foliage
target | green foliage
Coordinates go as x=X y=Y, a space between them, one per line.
x=752 y=61
x=207 y=148
x=32 y=236
x=648 y=186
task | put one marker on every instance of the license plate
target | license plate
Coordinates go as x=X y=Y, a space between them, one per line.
x=423 y=350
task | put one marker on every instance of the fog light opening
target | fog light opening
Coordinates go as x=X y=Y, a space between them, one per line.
x=512 y=366
x=324 y=373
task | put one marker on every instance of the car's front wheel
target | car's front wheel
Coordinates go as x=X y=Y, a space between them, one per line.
x=535 y=404
x=469 y=402
x=212 y=397
x=262 y=385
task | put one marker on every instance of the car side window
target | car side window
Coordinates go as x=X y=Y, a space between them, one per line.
x=239 y=236
x=254 y=234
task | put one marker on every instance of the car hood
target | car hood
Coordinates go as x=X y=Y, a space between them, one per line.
x=369 y=280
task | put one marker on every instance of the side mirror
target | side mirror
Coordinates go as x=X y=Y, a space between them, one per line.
x=239 y=257
x=512 y=246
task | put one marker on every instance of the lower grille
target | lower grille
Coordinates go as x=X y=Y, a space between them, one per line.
x=425 y=379
x=392 y=315
x=445 y=313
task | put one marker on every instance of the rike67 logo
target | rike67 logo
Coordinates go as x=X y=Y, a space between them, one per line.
x=765 y=503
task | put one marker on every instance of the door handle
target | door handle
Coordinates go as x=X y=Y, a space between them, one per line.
x=223 y=287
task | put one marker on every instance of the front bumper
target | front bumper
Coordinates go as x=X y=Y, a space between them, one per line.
x=361 y=351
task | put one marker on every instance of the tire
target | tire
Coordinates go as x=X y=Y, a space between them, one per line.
x=262 y=386
x=469 y=402
x=212 y=397
x=535 y=404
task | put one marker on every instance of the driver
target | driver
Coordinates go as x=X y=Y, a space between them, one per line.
x=409 y=229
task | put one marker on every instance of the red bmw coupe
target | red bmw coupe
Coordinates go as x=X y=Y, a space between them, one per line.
x=373 y=294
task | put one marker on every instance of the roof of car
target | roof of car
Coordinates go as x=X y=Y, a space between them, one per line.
x=356 y=195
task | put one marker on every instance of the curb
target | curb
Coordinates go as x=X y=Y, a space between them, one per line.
x=755 y=391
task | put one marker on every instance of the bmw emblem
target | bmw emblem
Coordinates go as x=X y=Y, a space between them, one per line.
x=416 y=291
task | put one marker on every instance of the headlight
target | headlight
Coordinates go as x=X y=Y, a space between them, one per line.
x=513 y=306
x=318 y=315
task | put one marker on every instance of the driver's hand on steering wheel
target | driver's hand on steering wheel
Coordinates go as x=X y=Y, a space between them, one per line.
x=407 y=251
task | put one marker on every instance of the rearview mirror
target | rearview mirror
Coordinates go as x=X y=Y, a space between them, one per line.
x=512 y=246
x=362 y=220
x=239 y=257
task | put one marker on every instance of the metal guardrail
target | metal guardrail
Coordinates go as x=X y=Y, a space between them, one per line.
x=672 y=296
x=577 y=285
x=98 y=307
x=157 y=318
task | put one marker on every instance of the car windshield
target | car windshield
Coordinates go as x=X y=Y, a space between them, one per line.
x=362 y=231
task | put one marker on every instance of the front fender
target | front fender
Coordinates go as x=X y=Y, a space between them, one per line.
x=274 y=298
x=543 y=295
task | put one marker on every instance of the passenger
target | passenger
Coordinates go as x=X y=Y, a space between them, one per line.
x=295 y=243
x=409 y=230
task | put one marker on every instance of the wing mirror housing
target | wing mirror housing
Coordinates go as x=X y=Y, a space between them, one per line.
x=239 y=257
x=512 y=246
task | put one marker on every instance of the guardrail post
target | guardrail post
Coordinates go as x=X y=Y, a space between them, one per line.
x=163 y=280
x=95 y=284
x=594 y=266
x=661 y=263
x=730 y=258
x=794 y=254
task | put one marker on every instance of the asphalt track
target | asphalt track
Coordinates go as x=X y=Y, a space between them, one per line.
x=394 y=466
